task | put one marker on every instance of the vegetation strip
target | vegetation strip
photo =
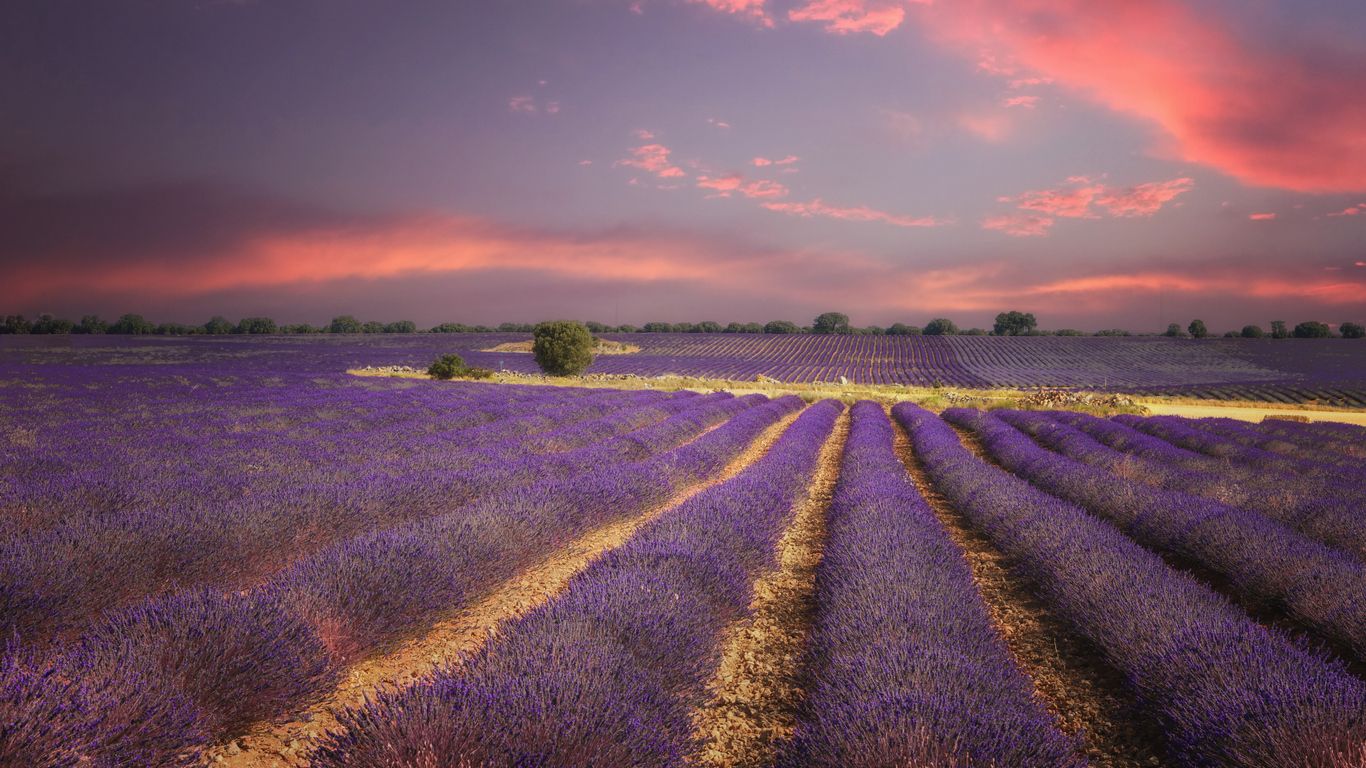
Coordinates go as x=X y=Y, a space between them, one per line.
x=1262 y=560
x=462 y=635
x=608 y=672
x=906 y=667
x=1087 y=695
x=755 y=691
x=1230 y=692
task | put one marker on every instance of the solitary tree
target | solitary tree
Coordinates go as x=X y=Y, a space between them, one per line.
x=940 y=326
x=1312 y=330
x=1197 y=329
x=447 y=367
x=780 y=326
x=830 y=322
x=1352 y=330
x=1253 y=332
x=562 y=347
x=1279 y=330
x=1014 y=323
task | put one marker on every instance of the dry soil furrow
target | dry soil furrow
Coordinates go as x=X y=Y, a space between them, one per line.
x=756 y=691
x=284 y=744
x=1088 y=696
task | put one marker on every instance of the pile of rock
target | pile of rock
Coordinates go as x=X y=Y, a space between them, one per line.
x=1066 y=398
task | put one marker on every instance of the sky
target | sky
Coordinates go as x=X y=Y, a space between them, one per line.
x=1100 y=163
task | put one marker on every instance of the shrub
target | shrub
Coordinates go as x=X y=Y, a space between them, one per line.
x=658 y=328
x=401 y=326
x=780 y=326
x=256 y=326
x=562 y=347
x=447 y=367
x=344 y=324
x=707 y=326
x=1253 y=332
x=901 y=329
x=91 y=324
x=1352 y=330
x=135 y=325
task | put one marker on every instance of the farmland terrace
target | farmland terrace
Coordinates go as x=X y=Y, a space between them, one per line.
x=1318 y=371
x=215 y=555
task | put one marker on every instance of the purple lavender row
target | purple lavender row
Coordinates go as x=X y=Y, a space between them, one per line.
x=1332 y=520
x=1177 y=431
x=1263 y=561
x=152 y=685
x=1230 y=692
x=608 y=673
x=59 y=579
x=1246 y=434
x=1343 y=440
x=905 y=665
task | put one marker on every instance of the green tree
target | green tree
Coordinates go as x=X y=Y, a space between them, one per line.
x=901 y=329
x=91 y=324
x=1352 y=330
x=15 y=324
x=1174 y=331
x=1252 y=332
x=130 y=324
x=372 y=326
x=47 y=324
x=1014 y=323
x=173 y=329
x=1279 y=330
x=781 y=326
x=627 y=328
x=255 y=326
x=657 y=328
x=562 y=347
x=707 y=326
x=344 y=324
x=683 y=328
x=1197 y=329
x=940 y=326
x=1312 y=330
x=830 y=322
x=218 y=326
x=401 y=326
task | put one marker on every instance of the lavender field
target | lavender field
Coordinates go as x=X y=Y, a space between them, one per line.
x=1323 y=371
x=230 y=552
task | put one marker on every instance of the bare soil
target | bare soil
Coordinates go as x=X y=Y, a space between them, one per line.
x=287 y=742
x=756 y=691
x=1252 y=413
x=1088 y=696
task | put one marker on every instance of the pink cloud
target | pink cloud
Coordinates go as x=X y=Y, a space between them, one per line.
x=820 y=208
x=523 y=104
x=1354 y=210
x=721 y=185
x=1144 y=199
x=1261 y=216
x=1074 y=203
x=843 y=17
x=987 y=126
x=724 y=186
x=652 y=158
x=1019 y=224
x=764 y=161
x=763 y=189
x=1028 y=102
x=1275 y=117
x=752 y=9
x=715 y=123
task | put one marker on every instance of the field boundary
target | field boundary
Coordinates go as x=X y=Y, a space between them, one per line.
x=286 y=742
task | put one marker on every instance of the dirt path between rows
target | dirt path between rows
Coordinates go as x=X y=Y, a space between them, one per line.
x=1087 y=695
x=286 y=744
x=756 y=690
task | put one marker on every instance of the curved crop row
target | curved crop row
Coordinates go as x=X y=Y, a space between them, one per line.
x=1262 y=560
x=1246 y=434
x=216 y=661
x=905 y=665
x=1333 y=520
x=608 y=673
x=1231 y=693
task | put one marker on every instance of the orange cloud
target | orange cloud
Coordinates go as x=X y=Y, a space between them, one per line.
x=1019 y=224
x=1261 y=216
x=1276 y=118
x=818 y=207
x=764 y=161
x=1353 y=210
x=843 y=17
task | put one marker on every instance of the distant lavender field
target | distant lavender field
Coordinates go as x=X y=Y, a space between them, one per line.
x=1329 y=371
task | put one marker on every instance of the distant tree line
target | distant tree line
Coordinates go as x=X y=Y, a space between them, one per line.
x=1012 y=323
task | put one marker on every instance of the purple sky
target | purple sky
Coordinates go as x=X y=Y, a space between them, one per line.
x=1101 y=163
